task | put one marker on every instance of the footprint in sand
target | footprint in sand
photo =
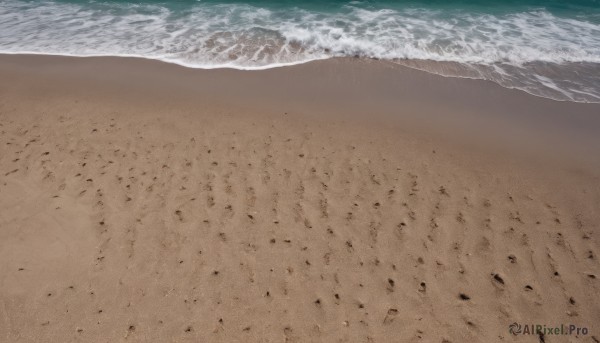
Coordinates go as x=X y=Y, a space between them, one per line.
x=390 y=316
x=390 y=285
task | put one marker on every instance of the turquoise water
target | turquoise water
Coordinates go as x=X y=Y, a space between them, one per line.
x=546 y=48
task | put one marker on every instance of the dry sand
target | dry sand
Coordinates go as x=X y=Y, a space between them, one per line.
x=338 y=201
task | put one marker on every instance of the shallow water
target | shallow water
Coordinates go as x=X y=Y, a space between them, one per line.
x=547 y=48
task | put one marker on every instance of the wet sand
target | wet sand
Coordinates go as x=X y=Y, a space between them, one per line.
x=342 y=200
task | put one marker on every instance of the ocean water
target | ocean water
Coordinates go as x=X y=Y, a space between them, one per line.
x=546 y=48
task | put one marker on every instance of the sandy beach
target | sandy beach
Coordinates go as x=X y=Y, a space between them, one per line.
x=345 y=200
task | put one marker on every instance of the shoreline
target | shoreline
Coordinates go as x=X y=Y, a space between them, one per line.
x=433 y=67
x=168 y=61
x=338 y=200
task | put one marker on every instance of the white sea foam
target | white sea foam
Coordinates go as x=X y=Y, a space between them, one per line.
x=531 y=50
